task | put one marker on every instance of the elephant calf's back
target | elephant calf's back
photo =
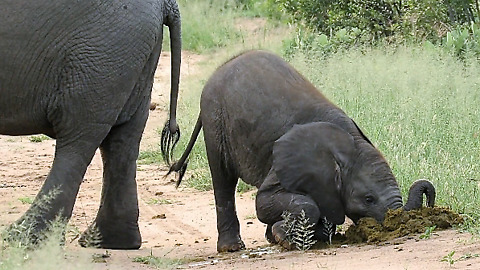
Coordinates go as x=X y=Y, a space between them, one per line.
x=251 y=101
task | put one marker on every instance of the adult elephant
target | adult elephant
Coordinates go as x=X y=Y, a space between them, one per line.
x=265 y=123
x=82 y=72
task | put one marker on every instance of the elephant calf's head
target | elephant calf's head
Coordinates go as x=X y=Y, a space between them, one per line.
x=342 y=175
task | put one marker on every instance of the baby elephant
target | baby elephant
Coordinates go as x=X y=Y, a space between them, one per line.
x=265 y=123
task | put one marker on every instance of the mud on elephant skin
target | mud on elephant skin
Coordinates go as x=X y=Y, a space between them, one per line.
x=265 y=123
x=82 y=72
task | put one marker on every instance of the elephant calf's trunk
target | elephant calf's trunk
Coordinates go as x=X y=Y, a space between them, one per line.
x=415 y=195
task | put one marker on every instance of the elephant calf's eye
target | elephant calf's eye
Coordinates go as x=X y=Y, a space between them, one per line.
x=369 y=200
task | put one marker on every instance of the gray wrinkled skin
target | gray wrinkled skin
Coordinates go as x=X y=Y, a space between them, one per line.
x=82 y=72
x=265 y=123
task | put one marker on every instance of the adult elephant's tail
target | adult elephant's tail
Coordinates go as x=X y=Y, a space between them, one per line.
x=171 y=131
x=181 y=165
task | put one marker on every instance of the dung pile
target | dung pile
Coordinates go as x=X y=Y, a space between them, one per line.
x=400 y=223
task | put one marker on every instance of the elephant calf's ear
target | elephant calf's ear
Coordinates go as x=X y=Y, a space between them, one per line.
x=308 y=160
x=361 y=133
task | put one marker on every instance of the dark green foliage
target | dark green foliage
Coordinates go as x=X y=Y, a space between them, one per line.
x=463 y=41
x=407 y=19
x=327 y=27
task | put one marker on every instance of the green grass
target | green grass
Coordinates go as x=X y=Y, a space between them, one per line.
x=26 y=200
x=160 y=262
x=154 y=201
x=207 y=25
x=215 y=26
x=38 y=138
x=17 y=253
x=419 y=107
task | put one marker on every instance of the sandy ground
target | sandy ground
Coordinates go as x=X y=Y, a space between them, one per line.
x=180 y=223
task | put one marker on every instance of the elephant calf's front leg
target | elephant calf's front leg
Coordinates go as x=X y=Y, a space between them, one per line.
x=273 y=201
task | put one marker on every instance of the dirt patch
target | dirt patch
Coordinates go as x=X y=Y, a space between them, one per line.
x=399 y=223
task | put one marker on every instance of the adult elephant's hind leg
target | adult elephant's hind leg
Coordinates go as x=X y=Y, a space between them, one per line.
x=116 y=224
x=57 y=196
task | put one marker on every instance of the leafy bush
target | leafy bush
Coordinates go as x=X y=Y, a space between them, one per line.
x=463 y=41
x=394 y=19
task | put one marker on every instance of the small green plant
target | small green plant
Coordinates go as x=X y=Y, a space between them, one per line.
x=243 y=187
x=428 y=232
x=91 y=237
x=449 y=258
x=16 y=253
x=101 y=257
x=159 y=262
x=25 y=200
x=328 y=229
x=288 y=225
x=468 y=256
x=38 y=138
x=303 y=233
x=23 y=232
x=299 y=230
x=159 y=201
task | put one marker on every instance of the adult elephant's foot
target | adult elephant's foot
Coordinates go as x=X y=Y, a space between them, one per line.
x=113 y=235
x=280 y=236
x=228 y=243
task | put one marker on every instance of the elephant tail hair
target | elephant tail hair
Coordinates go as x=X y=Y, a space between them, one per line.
x=181 y=165
x=179 y=168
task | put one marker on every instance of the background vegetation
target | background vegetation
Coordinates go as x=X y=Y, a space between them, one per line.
x=413 y=93
x=406 y=71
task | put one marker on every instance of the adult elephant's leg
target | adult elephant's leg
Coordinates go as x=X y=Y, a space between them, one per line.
x=272 y=201
x=116 y=224
x=73 y=153
x=224 y=184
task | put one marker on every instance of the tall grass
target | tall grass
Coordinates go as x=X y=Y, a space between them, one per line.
x=419 y=106
x=49 y=254
x=208 y=25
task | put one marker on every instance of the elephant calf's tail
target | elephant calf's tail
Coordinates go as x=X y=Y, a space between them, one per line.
x=181 y=165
